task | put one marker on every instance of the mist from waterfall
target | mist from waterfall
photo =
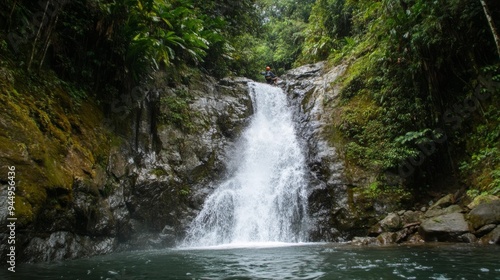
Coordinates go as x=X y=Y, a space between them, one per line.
x=264 y=199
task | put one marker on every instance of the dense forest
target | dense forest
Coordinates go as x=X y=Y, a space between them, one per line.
x=419 y=100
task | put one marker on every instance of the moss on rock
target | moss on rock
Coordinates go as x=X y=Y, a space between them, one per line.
x=49 y=138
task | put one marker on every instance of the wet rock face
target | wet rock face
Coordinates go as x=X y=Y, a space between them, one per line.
x=169 y=176
x=67 y=245
x=336 y=211
x=307 y=87
x=153 y=181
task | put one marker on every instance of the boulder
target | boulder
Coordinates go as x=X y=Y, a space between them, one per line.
x=443 y=202
x=395 y=237
x=375 y=230
x=467 y=238
x=485 y=230
x=360 y=241
x=387 y=238
x=483 y=214
x=491 y=238
x=482 y=199
x=444 y=228
x=390 y=223
x=434 y=212
x=416 y=238
x=411 y=217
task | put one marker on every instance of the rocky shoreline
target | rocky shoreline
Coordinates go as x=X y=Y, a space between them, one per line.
x=443 y=221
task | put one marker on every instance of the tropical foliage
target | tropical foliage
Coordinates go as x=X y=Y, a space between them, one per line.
x=112 y=45
x=420 y=78
x=419 y=97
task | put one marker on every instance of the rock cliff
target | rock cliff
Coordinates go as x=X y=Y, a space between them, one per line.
x=340 y=206
x=344 y=201
x=85 y=188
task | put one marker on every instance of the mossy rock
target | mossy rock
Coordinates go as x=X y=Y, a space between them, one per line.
x=50 y=140
x=485 y=213
x=482 y=199
x=24 y=211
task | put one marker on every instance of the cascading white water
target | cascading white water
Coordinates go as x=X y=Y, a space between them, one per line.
x=265 y=199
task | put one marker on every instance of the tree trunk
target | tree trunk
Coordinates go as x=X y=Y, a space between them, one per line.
x=33 y=50
x=492 y=25
x=10 y=16
x=47 y=43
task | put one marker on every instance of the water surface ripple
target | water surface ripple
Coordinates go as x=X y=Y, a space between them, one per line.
x=280 y=261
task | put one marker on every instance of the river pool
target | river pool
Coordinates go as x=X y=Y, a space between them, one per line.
x=279 y=261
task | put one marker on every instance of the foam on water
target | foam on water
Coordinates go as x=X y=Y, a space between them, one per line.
x=252 y=245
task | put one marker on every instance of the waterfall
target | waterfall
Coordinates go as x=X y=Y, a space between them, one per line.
x=264 y=199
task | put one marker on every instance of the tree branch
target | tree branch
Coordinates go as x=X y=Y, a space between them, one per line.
x=492 y=25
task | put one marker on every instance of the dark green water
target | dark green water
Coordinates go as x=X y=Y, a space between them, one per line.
x=313 y=261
